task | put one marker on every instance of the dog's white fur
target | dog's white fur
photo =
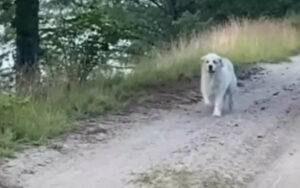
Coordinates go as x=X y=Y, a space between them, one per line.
x=218 y=81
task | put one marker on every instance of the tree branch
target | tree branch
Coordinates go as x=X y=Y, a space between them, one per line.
x=159 y=6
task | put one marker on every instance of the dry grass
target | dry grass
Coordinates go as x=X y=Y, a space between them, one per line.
x=185 y=178
x=248 y=41
x=243 y=41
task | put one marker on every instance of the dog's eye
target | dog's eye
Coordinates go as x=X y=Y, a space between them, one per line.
x=214 y=62
x=206 y=61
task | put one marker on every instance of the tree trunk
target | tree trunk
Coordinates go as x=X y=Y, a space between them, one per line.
x=27 y=41
x=173 y=9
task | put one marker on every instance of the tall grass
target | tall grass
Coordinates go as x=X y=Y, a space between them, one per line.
x=249 y=41
x=26 y=120
x=243 y=41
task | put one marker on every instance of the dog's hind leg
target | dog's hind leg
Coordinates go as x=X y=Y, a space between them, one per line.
x=231 y=95
x=230 y=101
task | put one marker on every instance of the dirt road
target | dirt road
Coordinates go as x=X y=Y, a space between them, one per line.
x=180 y=147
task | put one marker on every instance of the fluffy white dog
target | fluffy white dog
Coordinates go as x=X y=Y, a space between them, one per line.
x=218 y=81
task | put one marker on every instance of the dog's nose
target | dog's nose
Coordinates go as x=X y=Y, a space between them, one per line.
x=210 y=67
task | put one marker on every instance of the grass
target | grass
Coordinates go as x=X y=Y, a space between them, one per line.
x=167 y=178
x=184 y=177
x=253 y=41
x=28 y=121
x=243 y=41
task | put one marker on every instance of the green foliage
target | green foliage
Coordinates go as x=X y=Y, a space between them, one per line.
x=83 y=38
x=91 y=99
x=6 y=11
x=242 y=41
x=294 y=18
x=79 y=37
x=85 y=35
x=26 y=120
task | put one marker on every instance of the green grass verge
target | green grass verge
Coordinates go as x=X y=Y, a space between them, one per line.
x=27 y=121
x=37 y=119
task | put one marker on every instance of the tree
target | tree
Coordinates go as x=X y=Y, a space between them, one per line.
x=27 y=42
x=82 y=36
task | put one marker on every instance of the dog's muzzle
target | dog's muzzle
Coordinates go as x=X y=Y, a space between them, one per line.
x=210 y=69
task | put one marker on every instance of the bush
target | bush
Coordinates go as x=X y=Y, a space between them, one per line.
x=25 y=120
x=294 y=18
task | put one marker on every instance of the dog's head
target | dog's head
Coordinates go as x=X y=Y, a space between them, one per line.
x=212 y=62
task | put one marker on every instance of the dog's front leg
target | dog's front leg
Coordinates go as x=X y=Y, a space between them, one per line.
x=218 y=106
x=206 y=100
x=205 y=95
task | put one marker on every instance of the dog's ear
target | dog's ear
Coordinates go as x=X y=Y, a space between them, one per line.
x=221 y=62
x=203 y=58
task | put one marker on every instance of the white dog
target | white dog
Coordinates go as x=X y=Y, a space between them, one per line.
x=218 y=80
